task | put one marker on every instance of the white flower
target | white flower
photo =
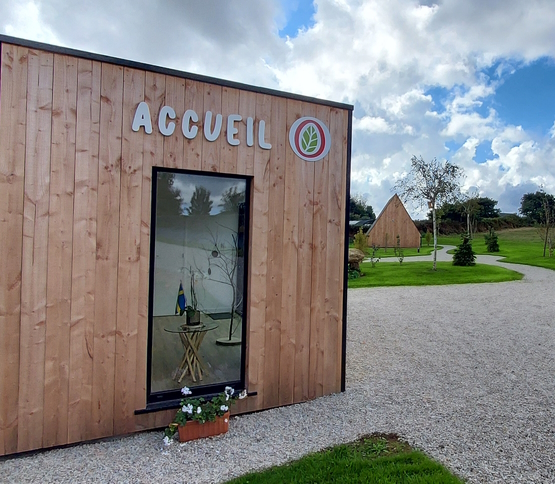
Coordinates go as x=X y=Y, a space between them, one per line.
x=187 y=409
x=229 y=391
x=199 y=410
x=167 y=440
x=186 y=391
x=224 y=408
x=243 y=394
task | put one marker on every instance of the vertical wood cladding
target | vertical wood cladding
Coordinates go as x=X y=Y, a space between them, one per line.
x=393 y=221
x=75 y=195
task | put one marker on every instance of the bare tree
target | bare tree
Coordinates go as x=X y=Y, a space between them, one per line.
x=470 y=207
x=548 y=212
x=226 y=257
x=540 y=208
x=434 y=182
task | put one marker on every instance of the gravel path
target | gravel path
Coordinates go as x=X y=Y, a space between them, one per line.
x=465 y=373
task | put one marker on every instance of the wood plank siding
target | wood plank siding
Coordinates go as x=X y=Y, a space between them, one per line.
x=75 y=215
x=393 y=221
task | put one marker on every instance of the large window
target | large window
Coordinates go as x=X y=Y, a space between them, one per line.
x=197 y=283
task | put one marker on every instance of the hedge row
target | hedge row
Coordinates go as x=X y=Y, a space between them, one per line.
x=449 y=227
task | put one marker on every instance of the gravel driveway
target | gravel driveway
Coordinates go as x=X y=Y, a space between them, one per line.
x=465 y=373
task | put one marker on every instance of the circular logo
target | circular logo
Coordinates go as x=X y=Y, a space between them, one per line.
x=310 y=139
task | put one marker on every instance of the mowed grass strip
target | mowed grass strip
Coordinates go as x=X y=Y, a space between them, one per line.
x=421 y=274
x=382 y=459
x=424 y=250
x=407 y=252
x=518 y=246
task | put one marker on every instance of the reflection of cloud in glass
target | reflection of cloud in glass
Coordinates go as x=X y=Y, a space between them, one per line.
x=217 y=186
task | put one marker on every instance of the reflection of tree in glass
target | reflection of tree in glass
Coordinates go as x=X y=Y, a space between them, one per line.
x=168 y=200
x=231 y=199
x=200 y=202
x=226 y=258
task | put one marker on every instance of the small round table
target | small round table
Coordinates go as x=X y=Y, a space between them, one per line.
x=191 y=338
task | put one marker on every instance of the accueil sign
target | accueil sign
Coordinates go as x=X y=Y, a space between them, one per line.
x=309 y=137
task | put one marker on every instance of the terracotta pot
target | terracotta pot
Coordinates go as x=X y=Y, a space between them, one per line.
x=194 y=430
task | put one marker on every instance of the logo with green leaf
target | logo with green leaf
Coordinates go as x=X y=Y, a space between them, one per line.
x=309 y=139
x=309 y=143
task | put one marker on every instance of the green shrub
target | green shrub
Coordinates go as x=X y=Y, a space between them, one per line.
x=492 y=242
x=360 y=242
x=353 y=274
x=464 y=255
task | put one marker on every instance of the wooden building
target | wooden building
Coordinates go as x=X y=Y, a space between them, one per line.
x=393 y=221
x=124 y=187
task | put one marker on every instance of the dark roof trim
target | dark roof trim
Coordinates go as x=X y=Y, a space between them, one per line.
x=170 y=72
x=360 y=223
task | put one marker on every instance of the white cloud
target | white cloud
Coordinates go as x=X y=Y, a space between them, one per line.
x=470 y=124
x=373 y=125
x=384 y=57
x=24 y=20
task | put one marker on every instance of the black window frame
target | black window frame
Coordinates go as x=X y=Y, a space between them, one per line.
x=171 y=398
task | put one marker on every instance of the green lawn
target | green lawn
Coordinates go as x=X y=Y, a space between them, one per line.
x=425 y=250
x=519 y=246
x=372 y=459
x=381 y=253
x=421 y=274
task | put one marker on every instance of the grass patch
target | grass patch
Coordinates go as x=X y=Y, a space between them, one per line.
x=380 y=459
x=409 y=252
x=519 y=246
x=421 y=274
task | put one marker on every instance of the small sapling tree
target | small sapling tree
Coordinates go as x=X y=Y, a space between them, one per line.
x=360 y=242
x=374 y=259
x=492 y=242
x=226 y=257
x=399 y=251
x=433 y=182
x=470 y=207
x=539 y=207
x=464 y=255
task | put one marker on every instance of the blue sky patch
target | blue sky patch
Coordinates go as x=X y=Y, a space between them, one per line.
x=452 y=146
x=299 y=15
x=442 y=96
x=483 y=109
x=525 y=97
x=439 y=96
x=484 y=153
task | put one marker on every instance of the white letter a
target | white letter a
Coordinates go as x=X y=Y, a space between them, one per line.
x=142 y=118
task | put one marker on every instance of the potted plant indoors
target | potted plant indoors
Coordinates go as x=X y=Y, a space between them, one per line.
x=198 y=417
x=193 y=314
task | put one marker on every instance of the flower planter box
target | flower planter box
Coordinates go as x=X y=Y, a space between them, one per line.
x=194 y=430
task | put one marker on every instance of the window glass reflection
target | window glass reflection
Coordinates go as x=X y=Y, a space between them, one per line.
x=198 y=281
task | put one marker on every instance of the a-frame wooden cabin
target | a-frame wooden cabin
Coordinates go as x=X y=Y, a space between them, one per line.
x=393 y=221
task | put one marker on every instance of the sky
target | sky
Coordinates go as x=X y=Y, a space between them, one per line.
x=468 y=81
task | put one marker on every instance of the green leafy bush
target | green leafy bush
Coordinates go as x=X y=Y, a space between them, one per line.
x=353 y=274
x=360 y=242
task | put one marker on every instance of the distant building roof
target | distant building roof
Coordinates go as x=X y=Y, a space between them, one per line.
x=360 y=223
